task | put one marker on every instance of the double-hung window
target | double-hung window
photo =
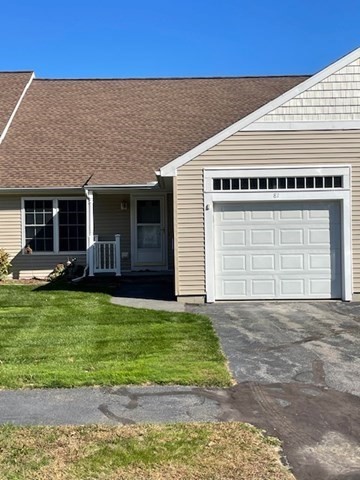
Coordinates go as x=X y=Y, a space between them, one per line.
x=54 y=225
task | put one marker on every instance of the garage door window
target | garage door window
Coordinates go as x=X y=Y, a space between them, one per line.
x=278 y=183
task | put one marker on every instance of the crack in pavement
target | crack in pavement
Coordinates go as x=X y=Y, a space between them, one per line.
x=112 y=416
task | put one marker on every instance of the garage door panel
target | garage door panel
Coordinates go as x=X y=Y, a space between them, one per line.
x=320 y=261
x=233 y=238
x=262 y=215
x=291 y=214
x=294 y=287
x=291 y=236
x=233 y=263
x=319 y=236
x=279 y=251
x=262 y=262
x=263 y=286
x=234 y=288
x=291 y=261
x=320 y=286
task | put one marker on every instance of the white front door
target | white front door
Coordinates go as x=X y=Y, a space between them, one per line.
x=277 y=250
x=149 y=232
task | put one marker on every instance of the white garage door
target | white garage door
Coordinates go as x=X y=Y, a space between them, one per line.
x=277 y=250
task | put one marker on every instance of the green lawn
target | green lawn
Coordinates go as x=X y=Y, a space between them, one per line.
x=215 y=451
x=67 y=338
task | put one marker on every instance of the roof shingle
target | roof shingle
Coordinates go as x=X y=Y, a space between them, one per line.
x=120 y=131
x=12 y=85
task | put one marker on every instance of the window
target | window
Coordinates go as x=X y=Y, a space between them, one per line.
x=39 y=225
x=55 y=225
x=278 y=183
x=72 y=225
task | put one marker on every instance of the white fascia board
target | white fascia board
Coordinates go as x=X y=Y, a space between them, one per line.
x=169 y=170
x=314 y=125
x=40 y=190
x=7 y=126
x=145 y=186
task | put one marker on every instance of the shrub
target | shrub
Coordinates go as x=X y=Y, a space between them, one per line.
x=57 y=272
x=4 y=264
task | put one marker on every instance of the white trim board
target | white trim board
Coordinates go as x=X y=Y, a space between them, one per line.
x=343 y=196
x=169 y=170
x=11 y=118
x=288 y=126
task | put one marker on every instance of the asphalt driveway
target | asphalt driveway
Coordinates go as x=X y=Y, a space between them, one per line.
x=298 y=368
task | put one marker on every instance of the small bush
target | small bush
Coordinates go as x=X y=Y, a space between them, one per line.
x=67 y=271
x=57 y=272
x=4 y=264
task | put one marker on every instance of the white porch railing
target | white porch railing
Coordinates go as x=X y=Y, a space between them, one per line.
x=107 y=258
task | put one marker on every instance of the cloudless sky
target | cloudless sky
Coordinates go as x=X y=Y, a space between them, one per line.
x=156 y=38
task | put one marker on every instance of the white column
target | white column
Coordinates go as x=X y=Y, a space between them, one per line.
x=90 y=231
x=118 y=255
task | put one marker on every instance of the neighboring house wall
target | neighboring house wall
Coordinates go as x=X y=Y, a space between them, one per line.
x=337 y=98
x=255 y=149
x=34 y=265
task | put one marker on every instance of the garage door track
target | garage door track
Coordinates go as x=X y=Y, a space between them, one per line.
x=298 y=368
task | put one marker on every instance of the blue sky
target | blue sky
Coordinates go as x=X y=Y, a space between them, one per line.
x=156 y=38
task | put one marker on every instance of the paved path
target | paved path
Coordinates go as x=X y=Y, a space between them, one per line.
x=112 y=405
x=153 y=293
x=296 y=413
x=298 y=368
x=149 y=303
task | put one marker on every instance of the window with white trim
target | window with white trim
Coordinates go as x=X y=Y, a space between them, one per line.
x=279 y=183
x=39 y=225
x=55 y=225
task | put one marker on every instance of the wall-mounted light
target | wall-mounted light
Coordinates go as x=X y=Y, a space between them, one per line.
x=124 y=205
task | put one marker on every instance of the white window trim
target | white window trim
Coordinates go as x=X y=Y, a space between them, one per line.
x=163 y=203
x=342 y=195
x=55 y=209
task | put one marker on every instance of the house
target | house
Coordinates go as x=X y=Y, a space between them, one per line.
x=246 y=188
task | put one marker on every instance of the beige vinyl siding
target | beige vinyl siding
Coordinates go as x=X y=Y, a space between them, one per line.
x=336 y=98
x=110 y=220
x=24 y=266
x=255 y=149
x=10 y=230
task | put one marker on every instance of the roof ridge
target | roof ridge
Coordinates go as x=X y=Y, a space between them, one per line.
x=120 y=79
x=16 y=71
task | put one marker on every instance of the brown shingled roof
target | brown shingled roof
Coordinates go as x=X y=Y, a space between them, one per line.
x=12 y=85
x=121 y=131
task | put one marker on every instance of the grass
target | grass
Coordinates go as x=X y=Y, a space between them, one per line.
x=68 y=338
x=182 y=452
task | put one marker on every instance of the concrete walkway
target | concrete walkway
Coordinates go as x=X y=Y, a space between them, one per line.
x=151 y=292
x=150 y=304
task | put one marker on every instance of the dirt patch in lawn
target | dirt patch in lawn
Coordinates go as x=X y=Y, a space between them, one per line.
x=181 y=451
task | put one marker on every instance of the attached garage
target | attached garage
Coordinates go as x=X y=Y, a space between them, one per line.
x=278 y=233
x=278 y=250
x=269 y=207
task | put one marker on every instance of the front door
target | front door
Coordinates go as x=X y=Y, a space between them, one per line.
x=149 y=233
